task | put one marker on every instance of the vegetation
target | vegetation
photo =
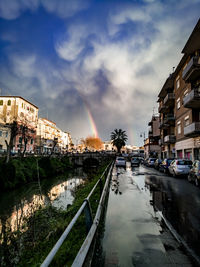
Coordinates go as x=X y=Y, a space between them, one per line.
x=19 y=171
x=119 y=138
x=92 y=142
x=44 y=227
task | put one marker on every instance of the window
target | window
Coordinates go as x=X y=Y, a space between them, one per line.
x=178 y=103
x=31 y=141
x=177 y=82
x=0 y=133
x=9 y=102
x=1 y=102
x=22 y=105
x=187 y=122
x=179 y=127
x=20 y=140
x=1 y=147
x=6 y=134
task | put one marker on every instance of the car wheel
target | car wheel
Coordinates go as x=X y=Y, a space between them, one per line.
x=189 y=178
x=196 y=181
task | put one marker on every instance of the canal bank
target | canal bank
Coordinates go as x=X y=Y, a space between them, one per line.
x=33 y=223
x=133 y=235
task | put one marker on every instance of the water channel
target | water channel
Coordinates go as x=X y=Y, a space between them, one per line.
x=17 y=205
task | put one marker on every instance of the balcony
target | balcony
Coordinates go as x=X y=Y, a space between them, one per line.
x=192 y=100
x=160 y=142
x=169 y=139
x=169 y=99
x=162 y=108
x=192 y=130
x=192 y=70
x=169 y=119
x=163 y=125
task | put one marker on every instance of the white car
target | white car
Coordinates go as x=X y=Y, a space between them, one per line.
x=120 y=162
x=180 y=167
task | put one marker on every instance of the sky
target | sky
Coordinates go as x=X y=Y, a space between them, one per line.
x=92 y=66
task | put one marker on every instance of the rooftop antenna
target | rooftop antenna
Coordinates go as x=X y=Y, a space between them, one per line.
x=173 y=69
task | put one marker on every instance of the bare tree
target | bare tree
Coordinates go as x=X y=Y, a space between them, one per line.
x=14 y=130
x=55 y=141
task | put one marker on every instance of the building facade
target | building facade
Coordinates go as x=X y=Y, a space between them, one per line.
x=187 y=99
x=152 y=145
x=166 y=99
x=179 y=104
x=20 y=110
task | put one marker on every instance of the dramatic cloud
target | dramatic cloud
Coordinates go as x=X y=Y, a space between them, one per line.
x=114 y=67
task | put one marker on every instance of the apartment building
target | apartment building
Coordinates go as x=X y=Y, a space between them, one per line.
x=187 y=99
x=16 y=108
x=48 y=134
x=154 y=136
x=166 y=99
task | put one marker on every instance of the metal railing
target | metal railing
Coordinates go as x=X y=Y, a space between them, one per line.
x=91 y=225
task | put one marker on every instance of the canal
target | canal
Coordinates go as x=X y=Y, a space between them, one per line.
x=18 y=205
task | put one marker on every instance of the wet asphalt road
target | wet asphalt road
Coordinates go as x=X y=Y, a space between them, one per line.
x=135 y=234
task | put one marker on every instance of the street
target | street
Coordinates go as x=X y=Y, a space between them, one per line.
x=135 y=233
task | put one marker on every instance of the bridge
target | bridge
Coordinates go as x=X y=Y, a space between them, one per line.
x=89 y=158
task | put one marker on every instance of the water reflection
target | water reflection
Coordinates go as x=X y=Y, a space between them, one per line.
x=18 y=205
x=181 y=212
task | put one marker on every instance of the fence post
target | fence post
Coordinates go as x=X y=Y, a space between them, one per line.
x=88 y=215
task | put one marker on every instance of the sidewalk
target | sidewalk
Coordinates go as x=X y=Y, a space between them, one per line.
x=133 y=236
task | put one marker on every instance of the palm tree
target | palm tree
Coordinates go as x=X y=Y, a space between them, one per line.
x=118 y=139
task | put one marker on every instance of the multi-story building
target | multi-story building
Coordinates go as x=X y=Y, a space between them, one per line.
x=166 y=99
x=20 y=110
x=49 y=135
x=154 y=136
x=187 y=99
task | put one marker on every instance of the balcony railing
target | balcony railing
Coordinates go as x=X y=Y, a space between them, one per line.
x=169 y=119
x=192 y=100
x=169 y=139
x=192 y=129
x=160 y=142
x=169 y=99
x=192 y=70
x=162 y=108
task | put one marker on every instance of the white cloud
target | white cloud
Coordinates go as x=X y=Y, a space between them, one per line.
x=12 y=9
x=71 y=46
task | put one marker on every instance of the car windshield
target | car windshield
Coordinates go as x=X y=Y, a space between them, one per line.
x=184 y=162
x=120 y=158
x=170 y=160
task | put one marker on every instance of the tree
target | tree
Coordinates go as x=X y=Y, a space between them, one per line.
x=118 y=139
x=14 y=130
x=92 y=142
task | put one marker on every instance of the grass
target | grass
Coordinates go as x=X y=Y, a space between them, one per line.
x=45 y=227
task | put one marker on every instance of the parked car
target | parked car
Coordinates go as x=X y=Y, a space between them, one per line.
x=157 y=164
x=165 y=165
x=194 y=174
x=180 y=167
x=135 y=161
x=150 y=162
x=120 y=162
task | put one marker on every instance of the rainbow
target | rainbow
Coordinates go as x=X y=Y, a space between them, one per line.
x=90 y=117
x=91 y=122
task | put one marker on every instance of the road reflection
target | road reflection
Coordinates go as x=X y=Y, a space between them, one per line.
x=179 y=203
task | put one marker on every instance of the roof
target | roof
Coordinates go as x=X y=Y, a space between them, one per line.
x=9 y=96
x=193 y=42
